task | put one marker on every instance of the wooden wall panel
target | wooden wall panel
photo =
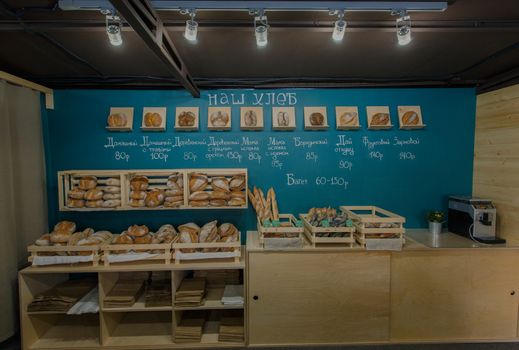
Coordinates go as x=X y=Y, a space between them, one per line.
x=496 y=156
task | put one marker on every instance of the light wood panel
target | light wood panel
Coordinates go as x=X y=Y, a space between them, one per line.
x=329 y=297
x=496 y=156
x=457 y=295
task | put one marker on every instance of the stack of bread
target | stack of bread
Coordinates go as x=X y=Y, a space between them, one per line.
x=140 y=234
x=88 y=193
x=209 y=233
x=64 y=234
x=174 y=195
x=266 y=208
x=216 y=191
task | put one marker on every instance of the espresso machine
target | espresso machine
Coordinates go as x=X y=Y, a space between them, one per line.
x=474 y=218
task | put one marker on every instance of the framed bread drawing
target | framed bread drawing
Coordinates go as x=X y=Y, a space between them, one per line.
x=219 y=118
x=316 y=118
x=154 y=119
x=187 y=119
x=410 y=117
x=378 y=117
x=251 y=118
x=347 y=118
x=283 y=118
x=120 y=119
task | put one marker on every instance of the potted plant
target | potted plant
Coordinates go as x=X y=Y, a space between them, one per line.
x=436 y=219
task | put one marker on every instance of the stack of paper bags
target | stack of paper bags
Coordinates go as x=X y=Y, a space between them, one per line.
x=233 y=294
x=189 y=329
x=191 y=292
x=62 y=297
x=158 y=293
x=124 y=293
x=231 y=327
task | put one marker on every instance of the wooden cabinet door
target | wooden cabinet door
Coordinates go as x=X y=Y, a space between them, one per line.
x=458 y=295
x=305 y=298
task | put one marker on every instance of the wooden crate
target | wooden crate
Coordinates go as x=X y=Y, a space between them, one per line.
x=71 y=251
x=316 y=235
x=67 y=180
x=365 y=217
x=227 y=173
x=207 y=256
x=281 y=233
x=163 y=255
x=157 y=179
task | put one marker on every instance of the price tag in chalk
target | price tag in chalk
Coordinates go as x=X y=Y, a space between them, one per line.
x=299 y=223
x=325 y=223
x=276 y=223
x=267 y=223
x=349 y=223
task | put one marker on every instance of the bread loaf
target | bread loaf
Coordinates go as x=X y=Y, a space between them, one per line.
x=113 y=182
x=173 y=193
x=76 y=193
x=139 y=183
x=94 y=204
x=174 y=199
x=138 y=230
x=65 y=226
x=123 y=238
x=174 y=204
x=203 y=203
x=87 y=183
x=94 y=195
x=75 y=203
x=44 y=240
x=111 y=203
x=110 y=196
x=220 y=184
x=154 y=198
x=110 y=189
x=117 y=120
x=410 y=118
x=197 y=182
x=217 y=202
x=236 y=202
x=136 y=203
x=152 y=119
x=209 y=229
x=237 y=183
x=380 y=119
x=199 y=196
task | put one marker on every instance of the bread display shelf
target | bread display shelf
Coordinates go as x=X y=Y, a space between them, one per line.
x=372 y=222
x=132 y=252
x=157 y=179
x=316 y=234
x=234 y=252
x=281 y=236
x=64 y=255
x=209 y=188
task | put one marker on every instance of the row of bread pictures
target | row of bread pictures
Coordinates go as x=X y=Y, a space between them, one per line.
x=251 y=118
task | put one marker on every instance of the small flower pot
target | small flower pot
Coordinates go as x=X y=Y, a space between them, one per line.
x=435 y=228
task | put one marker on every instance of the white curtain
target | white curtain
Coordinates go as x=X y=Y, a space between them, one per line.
x=23 y=200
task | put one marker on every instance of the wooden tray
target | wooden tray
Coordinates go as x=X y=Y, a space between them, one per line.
x=364 y=217
x=67 y=180
x=179 y=256
x=36 y=250
x=227 y=173
x=313 y=234
x=164 y=252
x=157 y=179
x=280 y=232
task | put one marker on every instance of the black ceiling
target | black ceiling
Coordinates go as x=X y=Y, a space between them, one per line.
x=472 y=43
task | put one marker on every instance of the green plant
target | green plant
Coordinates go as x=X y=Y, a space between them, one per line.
x=435 y=216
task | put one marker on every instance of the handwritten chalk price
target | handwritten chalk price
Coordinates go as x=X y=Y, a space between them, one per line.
x=344 y=164
x=122 y=156
x=190 y=156
x=407 y=156
x=376 y=155
x=255 y=156
x=332 y=181
x=234 y=156
x=159 y=156
x=312 y=156
x=277 y=164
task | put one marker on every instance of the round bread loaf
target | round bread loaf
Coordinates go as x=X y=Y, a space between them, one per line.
x=138 y=230
x=87 y=182
x=94 y=194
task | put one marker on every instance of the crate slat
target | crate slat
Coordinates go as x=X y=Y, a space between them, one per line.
x=312 y=232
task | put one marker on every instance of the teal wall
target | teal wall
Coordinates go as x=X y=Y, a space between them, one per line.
x=417 y=171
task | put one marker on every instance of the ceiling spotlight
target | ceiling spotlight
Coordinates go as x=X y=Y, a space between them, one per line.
x=191 y=30
x=260 y=27
x=113 y=27
x=340 y=25
x=403 y=27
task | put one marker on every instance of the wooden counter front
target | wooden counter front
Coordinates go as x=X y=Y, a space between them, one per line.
x=334 y=295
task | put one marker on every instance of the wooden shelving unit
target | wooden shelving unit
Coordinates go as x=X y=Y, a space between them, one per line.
x=135 y=327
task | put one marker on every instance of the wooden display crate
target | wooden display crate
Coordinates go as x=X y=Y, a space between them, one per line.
x=319 y=235
x=67 y=251
x=157 y=179
x=178 y=255
x=372 y=222
x=210 y=173
x=162 y=251
x=287 y=235
x=67 y=180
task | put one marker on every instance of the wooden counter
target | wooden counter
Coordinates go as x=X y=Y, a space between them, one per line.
x=453 y=293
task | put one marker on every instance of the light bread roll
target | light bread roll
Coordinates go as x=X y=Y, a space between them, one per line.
x=87 y=183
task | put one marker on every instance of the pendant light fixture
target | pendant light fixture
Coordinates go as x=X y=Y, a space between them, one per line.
x=403 y=27
x=260 y=27
x=191 y=31
x=340 y=25
x=113 y=28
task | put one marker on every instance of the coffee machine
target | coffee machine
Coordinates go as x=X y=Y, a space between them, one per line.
x=474 y=218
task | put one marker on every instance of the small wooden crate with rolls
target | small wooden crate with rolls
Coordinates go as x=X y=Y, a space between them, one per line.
x=207 y=243
x=90 y=190
x=375 y=227
x=216 y=188
x=336 y=232
x=137 y=243
x=155 y=189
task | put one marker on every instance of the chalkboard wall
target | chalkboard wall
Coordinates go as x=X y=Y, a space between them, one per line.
x=405 y=171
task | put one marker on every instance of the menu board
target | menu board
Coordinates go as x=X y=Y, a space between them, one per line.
x=407 y=171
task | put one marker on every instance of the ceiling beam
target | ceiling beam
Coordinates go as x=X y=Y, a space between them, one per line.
x=498 y=81
x=141 y=16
